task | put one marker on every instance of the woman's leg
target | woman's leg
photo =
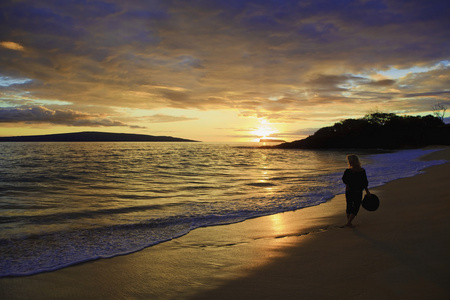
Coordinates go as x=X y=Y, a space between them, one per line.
x=353 y=203
x=350 y=219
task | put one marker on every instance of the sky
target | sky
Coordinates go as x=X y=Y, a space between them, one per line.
x=216 y=70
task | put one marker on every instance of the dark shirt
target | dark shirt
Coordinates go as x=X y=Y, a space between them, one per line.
x=356 y=180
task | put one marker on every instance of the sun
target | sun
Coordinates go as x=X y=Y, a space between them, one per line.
x=265 y=130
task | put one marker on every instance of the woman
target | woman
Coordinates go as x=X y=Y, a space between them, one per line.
x=355 y=180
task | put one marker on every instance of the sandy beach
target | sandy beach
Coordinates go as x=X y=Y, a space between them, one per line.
x=400 y=251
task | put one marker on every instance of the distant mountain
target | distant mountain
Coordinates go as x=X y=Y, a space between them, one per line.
x=93 y=136
x=378 y=131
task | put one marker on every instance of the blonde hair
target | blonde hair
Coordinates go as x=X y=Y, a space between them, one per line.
x=353 y=161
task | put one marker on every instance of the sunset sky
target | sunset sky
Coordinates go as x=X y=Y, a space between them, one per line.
x=212 y=70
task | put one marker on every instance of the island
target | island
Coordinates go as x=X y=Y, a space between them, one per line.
x=377 y=131
x=93 y=136
x=271 y=141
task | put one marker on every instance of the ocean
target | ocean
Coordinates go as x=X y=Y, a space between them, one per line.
x=66 y=203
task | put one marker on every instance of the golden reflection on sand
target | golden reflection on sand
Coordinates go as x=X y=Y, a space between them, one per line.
x=278 y=224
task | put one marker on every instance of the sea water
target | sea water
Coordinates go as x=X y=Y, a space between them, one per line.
x=66 y=203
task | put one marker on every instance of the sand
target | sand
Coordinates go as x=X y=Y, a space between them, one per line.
x=400 y=251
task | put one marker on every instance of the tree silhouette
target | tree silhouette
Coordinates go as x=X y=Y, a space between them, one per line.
x=439 y=110
x=380 y=118
x=378 y=130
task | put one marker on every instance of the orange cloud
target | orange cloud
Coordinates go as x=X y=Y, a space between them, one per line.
x=12 y=46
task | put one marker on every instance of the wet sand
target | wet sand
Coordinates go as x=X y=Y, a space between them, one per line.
x=401 y=251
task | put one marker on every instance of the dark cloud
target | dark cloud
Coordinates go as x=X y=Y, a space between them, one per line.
x=429 y=94
x=61 y=117
x=39 y=114
x=382 y=83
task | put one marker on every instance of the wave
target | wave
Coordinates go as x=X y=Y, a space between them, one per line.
x=30 y=253
x=261 y=184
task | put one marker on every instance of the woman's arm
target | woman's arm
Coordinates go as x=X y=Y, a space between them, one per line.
x=366 y=183
x=345 y=177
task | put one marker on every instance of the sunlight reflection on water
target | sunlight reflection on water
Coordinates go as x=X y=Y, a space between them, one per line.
x=63 y=203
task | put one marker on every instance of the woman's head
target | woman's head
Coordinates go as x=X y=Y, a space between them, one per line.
x=353 y=161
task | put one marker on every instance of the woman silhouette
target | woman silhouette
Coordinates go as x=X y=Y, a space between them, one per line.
x=355 y=180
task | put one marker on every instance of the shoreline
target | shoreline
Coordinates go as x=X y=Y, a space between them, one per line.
x=403 y=257
x=268 y=257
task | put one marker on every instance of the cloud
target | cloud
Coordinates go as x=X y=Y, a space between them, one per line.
x=160 y=118
x=8 y=81
x=429 y=94
x=12 y=46
x=238 y=55
x=382 y=83
x=61 y=117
